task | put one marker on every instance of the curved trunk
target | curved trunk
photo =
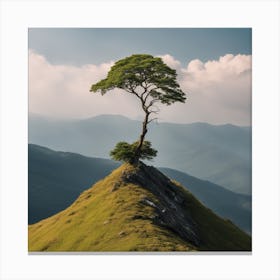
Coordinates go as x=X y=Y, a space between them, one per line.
x=142 y=137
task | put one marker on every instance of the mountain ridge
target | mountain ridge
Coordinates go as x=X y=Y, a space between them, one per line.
x=136 y=208
x=119 y=116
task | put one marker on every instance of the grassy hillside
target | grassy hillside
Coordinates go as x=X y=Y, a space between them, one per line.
x=220 y=154
x=56 y=179
x=136 y=209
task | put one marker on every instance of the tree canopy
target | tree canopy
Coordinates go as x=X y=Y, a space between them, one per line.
x=144 y=76
x=149 y=79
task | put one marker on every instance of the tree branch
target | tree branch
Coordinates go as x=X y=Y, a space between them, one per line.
x=142 y=94
x=152 y=120
x=153 y=102
x=155 y=111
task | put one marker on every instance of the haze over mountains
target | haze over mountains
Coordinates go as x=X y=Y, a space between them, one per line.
x=220 y=154
x=57 y=178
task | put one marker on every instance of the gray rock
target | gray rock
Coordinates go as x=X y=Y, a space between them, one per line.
x=170 y=210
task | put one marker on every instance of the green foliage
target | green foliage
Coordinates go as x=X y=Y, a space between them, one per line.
x=143 y=74
x=151 y=81
x=125 y=152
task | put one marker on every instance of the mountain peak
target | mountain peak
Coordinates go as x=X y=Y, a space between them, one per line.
x=136 y=208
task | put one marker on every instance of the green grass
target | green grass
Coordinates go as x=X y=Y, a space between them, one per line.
x=103 y=219
x=216 y=234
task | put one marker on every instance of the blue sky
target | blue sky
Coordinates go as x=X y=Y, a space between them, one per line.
x=77 y=46
x=213 y=67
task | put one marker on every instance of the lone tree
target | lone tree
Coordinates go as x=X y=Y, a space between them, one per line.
x=151 y=81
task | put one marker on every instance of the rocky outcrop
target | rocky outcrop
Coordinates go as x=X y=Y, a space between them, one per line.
x=170 y=207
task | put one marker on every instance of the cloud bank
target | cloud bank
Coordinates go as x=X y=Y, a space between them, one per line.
x=218 y=91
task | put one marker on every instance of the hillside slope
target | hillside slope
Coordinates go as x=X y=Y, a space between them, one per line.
x=136 y=209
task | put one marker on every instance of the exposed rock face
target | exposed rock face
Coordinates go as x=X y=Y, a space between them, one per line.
x=170 y=207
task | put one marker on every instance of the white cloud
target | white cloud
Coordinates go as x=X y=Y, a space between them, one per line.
x=218 y=91
x=171 y=61
x=63 y=91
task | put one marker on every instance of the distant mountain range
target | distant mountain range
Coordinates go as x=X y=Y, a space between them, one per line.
x=136 y=208
x=220 y=154
x=57 y=178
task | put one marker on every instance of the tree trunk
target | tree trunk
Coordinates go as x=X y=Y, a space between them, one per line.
x=142 y=137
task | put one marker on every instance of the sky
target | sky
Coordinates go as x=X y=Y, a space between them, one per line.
x=213 y=67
